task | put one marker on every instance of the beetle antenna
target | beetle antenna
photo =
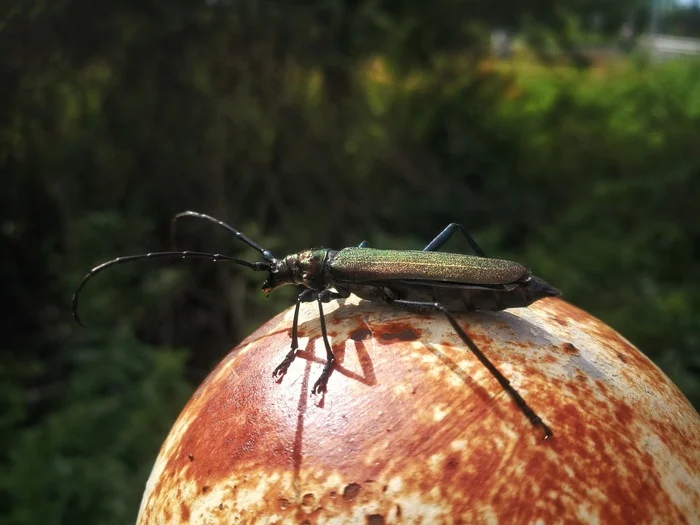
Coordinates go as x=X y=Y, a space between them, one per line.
x=258 y=266
x=267 y=255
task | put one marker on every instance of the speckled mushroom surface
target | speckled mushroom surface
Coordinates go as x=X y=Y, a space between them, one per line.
x=413 y=429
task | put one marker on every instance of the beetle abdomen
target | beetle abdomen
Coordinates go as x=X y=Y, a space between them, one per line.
x=368 y=264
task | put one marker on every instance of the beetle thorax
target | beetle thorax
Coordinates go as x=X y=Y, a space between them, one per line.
x=305 y=268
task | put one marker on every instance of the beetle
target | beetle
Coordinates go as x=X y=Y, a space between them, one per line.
x=411 y=280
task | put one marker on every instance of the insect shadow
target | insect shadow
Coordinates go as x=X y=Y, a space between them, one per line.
x=341 y=333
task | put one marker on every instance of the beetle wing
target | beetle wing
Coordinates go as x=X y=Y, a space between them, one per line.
x=363 y=265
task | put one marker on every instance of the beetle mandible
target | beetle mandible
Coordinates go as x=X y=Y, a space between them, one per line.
x=425 y=280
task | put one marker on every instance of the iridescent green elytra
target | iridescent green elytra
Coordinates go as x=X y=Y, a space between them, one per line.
x=425 y=280
x=369 y=264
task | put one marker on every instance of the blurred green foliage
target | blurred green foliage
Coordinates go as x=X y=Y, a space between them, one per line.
x=324 y=124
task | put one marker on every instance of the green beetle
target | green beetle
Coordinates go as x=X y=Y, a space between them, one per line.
x=425 y=280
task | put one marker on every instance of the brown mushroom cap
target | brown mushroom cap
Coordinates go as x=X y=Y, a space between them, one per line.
x=413 y=429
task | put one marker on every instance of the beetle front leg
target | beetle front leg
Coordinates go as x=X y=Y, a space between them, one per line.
x=304 y=297
x=505 y=384
x=448 y=232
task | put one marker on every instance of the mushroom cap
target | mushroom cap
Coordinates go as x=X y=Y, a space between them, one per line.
x=414 y=429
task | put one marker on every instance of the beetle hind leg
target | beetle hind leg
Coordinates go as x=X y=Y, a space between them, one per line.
x=505 y=384
x=447 y=233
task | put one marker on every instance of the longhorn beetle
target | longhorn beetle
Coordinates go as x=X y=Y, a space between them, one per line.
x=425 y=280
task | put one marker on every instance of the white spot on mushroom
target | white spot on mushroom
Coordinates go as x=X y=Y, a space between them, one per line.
x=401 y=389
x=435 y=462
x=458 y=444
x=395 y=485
x=439 y=413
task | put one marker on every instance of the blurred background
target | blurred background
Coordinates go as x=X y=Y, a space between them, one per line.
x=563 y=134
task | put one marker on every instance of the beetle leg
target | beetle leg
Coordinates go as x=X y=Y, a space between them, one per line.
x=505 y=384
x=445 y=235
x=320 y=385
x=304 y=297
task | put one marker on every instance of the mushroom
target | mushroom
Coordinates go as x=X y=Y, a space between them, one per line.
x=414 y=429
